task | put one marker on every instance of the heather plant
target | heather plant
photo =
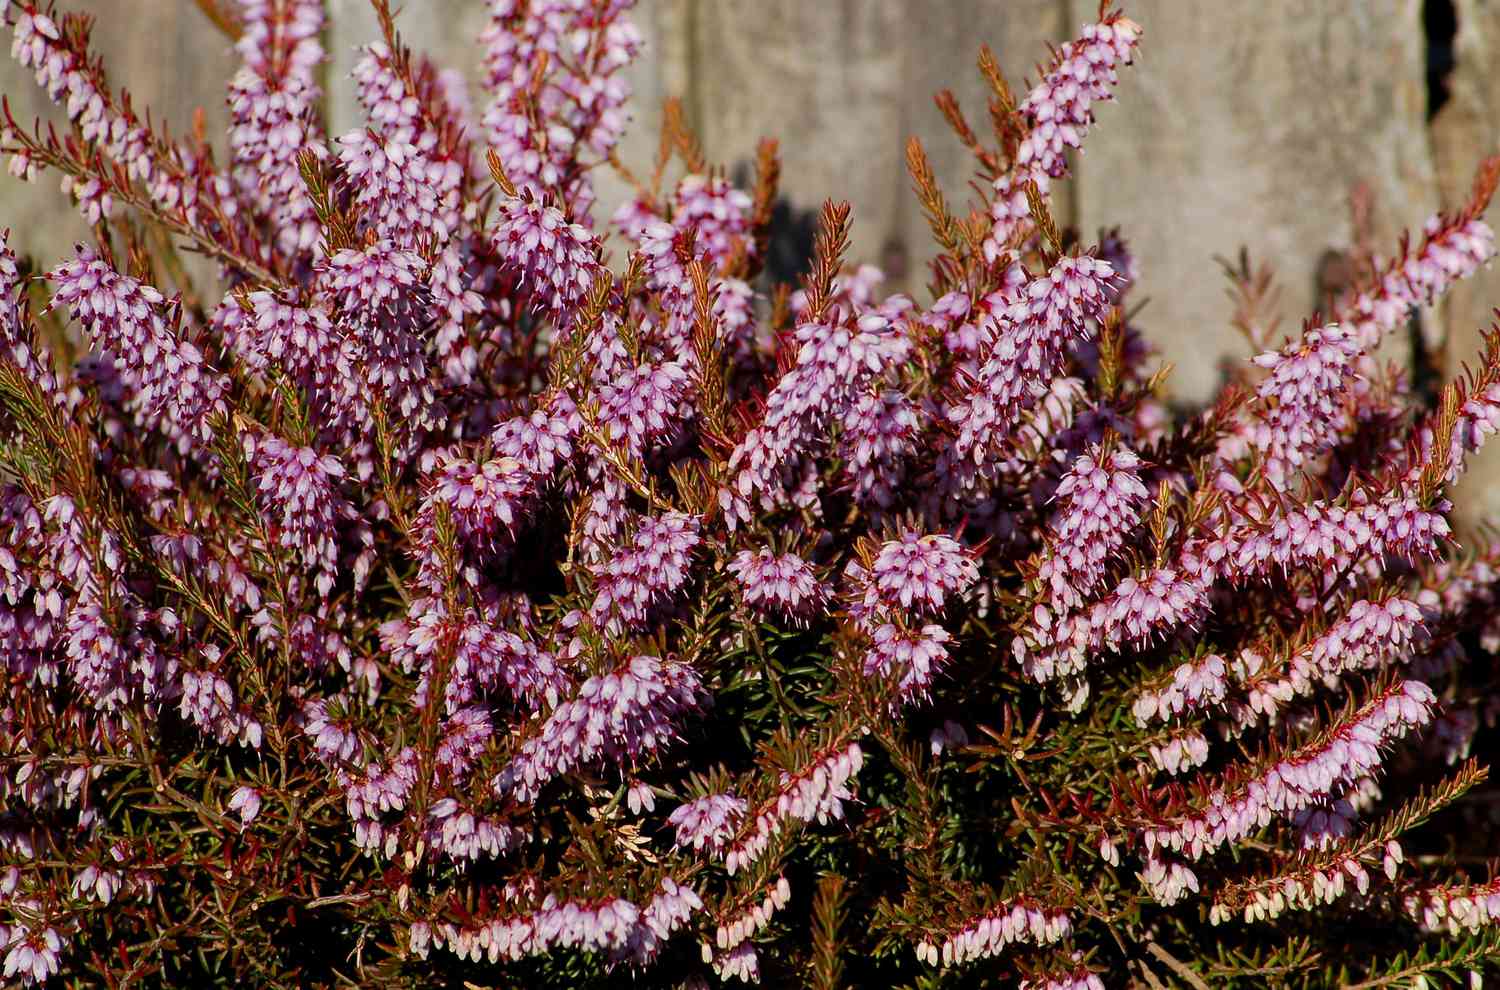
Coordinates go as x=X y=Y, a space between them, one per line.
x=438 y=585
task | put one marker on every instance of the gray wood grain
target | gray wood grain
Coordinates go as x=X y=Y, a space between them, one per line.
x=1250 y=126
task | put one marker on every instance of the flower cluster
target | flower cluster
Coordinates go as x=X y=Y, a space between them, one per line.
x=1100 y=501
x=1029 y=334
x=1193 y=685
x=612 y=924
x=815 y=792
x=646 y=574
x=299 y=485
x=832 y=362
x=1460 y=909
x=1055 y=117
x=1076 y=978
x=1303 y=393
x=555 y=91
x=620 y=715
x=735 y=933
x=782 y=585
x=165 y=379
x=920 y=571
x=990 y=933
x=1453 y=248
x=707 y=821
x=273 y=103
x=481 y=601
x=1349 y=751
x=911 y=577
x=553 y=258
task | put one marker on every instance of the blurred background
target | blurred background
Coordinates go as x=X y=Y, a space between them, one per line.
x=1249 y=125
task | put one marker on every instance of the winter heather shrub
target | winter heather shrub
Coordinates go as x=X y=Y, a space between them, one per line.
x=447 y=596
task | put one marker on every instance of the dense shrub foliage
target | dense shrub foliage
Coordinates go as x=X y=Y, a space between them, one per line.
x=458 y=590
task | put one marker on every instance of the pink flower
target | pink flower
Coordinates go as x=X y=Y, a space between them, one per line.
x=297 y=491
x=717 y=213
x=817 y=792
x=485 y=657
x=735 y=931
x=1300 y=778
x=464 y=834
x=542 y=443
x=333 y=736
x=949 y=735
x=167 y=380
x=1167 y=880
x=1452 y=248
x=877 y=440
x=1078 y=978
x=832 y=363
x=643 y=406
x=1180 y=752
x=1458 y=908
x=1302 y=399
x=1331 y=537
x=273 y=102
x=485 y=501
x=1060 y=108
x=245 y=801
x=379 y=291
x=912 y=656
x=741 y=962
x=407 y=175
x=1030 y=334
x=209 y=703
x=640 y=797
x=581 y=98
x=1193 y=685
x=34 y=954
x=1057 y=113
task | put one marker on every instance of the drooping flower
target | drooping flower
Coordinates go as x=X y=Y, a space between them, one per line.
x=1452 y=248
x=832 y=363
x=297 y=491
x=245 y=801
x=1193 y=685
x=912 y=656
x=817 y=792
x=379 y=290
x=1057 y=114
x=1345 y=753
x=1302 y=398
x=273 y=101
x=921 y=571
